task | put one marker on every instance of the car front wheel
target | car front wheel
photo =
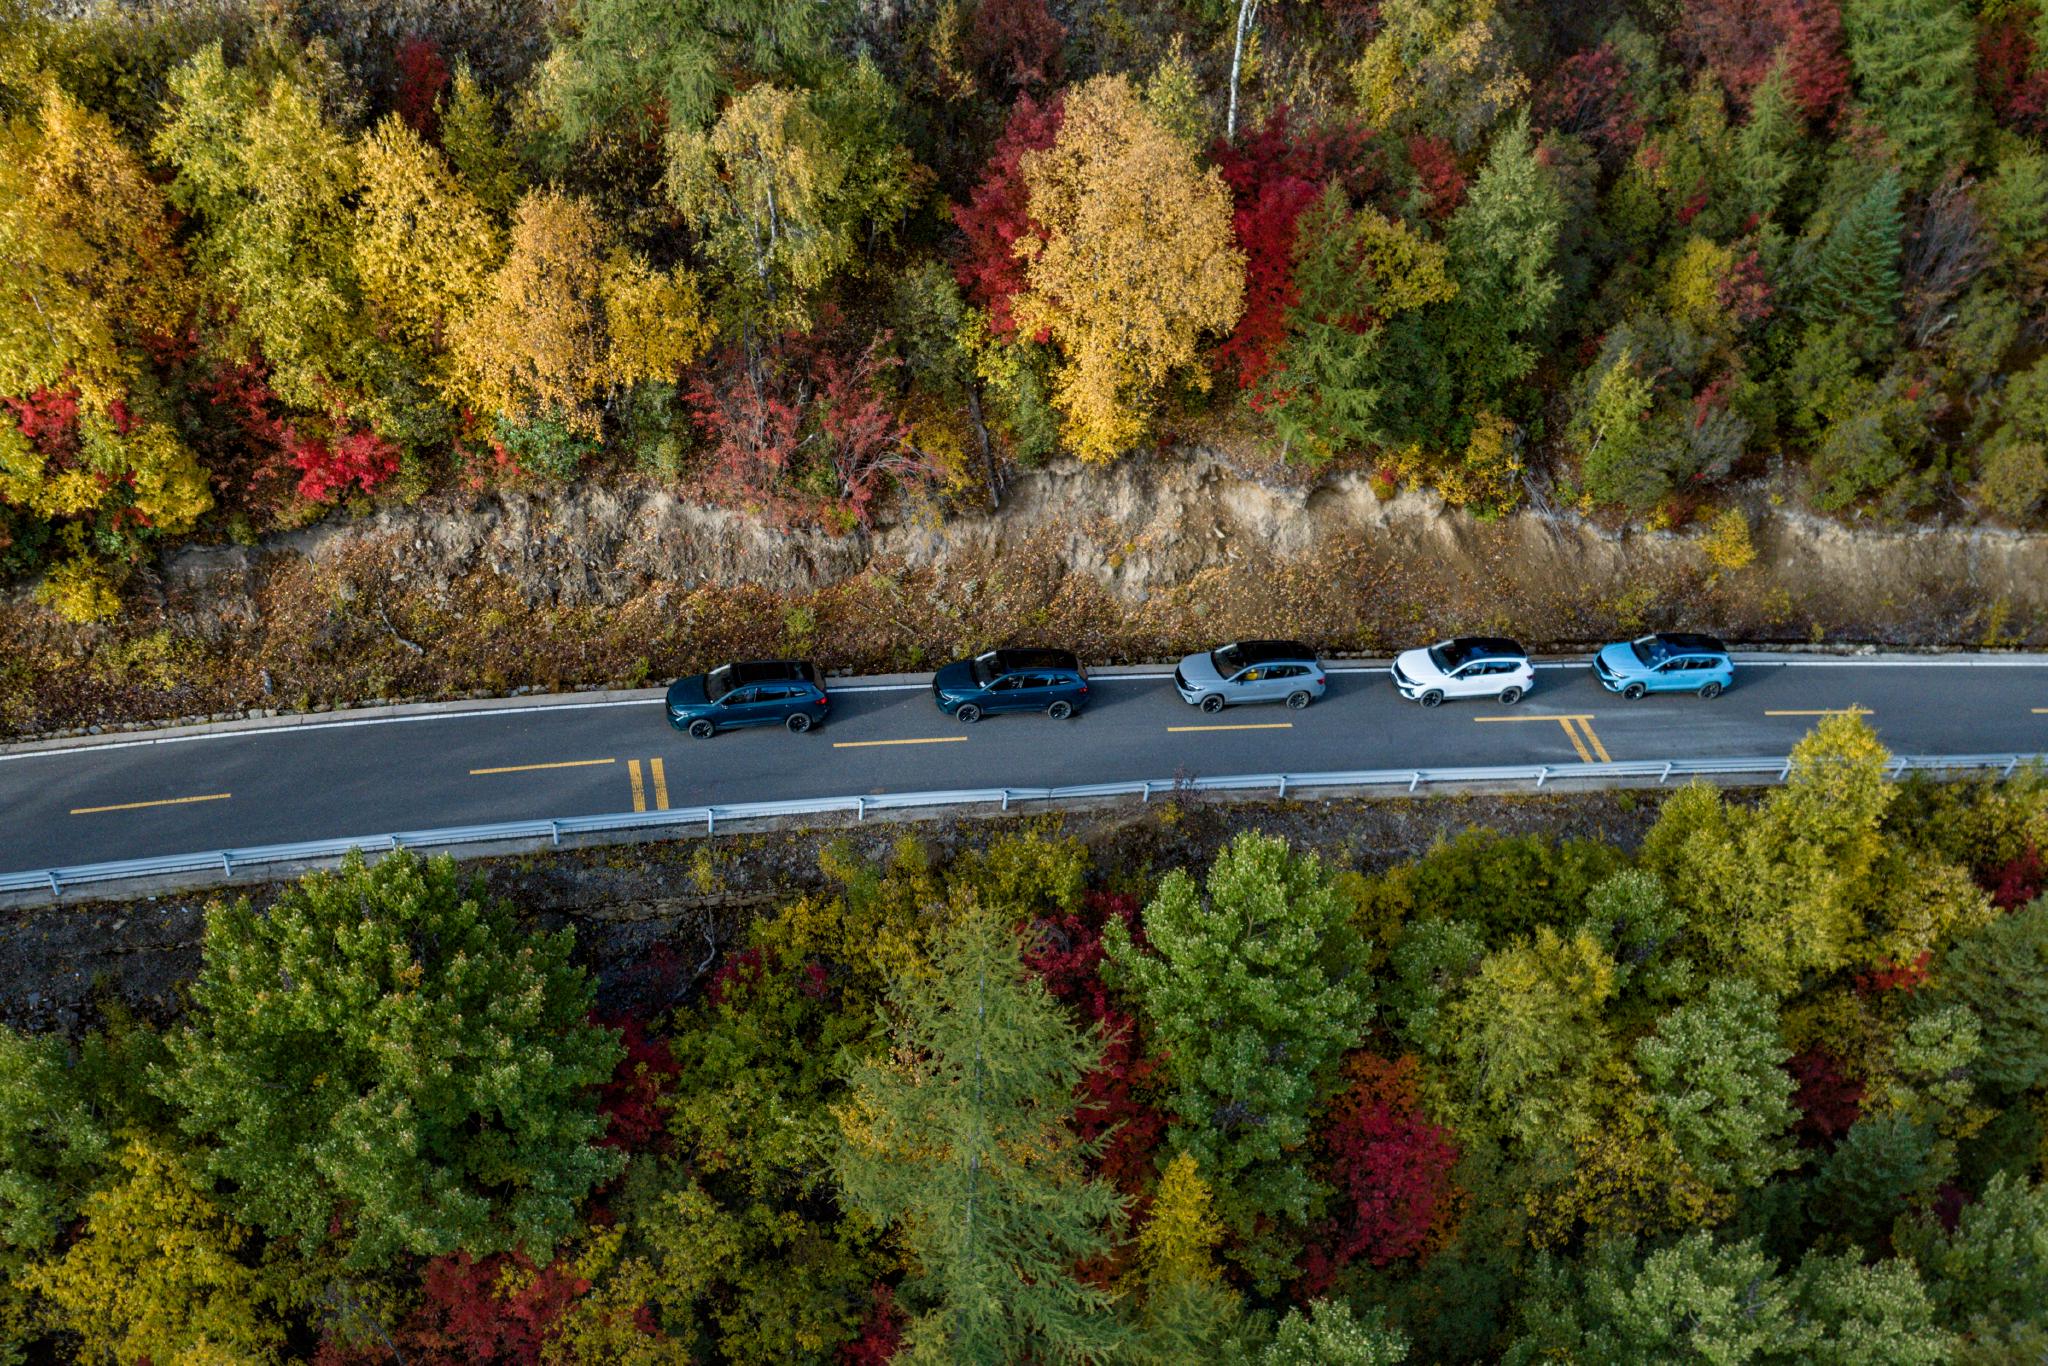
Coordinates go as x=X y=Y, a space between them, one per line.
x=1434 y=697
x=1510 y=696
x=1635 y=692
x=702 y=729
x=1060 y=711
x=1297 y=700
x=1213 y=703
x=1710 y=691
x=799 y=722
x=969 y=713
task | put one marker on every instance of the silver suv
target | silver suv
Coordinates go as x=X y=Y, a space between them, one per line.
x=1251 y=671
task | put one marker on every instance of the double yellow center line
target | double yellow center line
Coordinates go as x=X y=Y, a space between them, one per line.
x=1580 y=738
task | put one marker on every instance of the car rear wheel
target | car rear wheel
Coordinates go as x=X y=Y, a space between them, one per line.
x=1297 y=700
x=799 y=722
x=969 y=713
x=1710 y=691
x=1635 y=692
x=1060 y=711
x=1510 y=696
x=703 y=730
x=1213 y=703
x=1434 y=697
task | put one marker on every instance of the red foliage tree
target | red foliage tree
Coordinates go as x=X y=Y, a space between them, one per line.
x=1828 y=1099
x=1744 y=291
x=2017 y=881
x=48 y=420
x=330 y=466
x=1816 y=59
x=243 y=439
x=1587 y=96
x=998 y=213
x=1120 y=1098
x=800 y=415
x=422 y=76
x=1391 y=1170
x=495 y=1312
x=631 y=1100
x=881 y=1332
x=1738 y=39
x=1274 y=175
x=1894 y=976
x=2014 y=85
x=1017 y=44
x=1437 y=173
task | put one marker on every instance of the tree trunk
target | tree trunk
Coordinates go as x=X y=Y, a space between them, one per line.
x=1247 y=15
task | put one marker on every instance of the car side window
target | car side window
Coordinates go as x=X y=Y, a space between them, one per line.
x=739 y=697
x=1287 y=671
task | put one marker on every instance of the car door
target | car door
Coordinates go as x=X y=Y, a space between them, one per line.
x=1249 y=684
x=1468 y=681
x=1281 y=679
x=736 y=708
x=1003 y=693
x=774 y=704
x=1668 y=676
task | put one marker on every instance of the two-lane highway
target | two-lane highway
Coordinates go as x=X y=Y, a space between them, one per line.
x=135 y=796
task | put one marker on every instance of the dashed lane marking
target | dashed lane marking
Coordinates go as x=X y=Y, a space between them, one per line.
x=137 y=806
x=1826 y=711
x=921 y=740
x=530 y=768
x=1259 y=725
x=639 y=792
x=659 y=774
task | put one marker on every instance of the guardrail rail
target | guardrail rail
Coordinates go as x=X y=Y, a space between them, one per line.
x=229 y=862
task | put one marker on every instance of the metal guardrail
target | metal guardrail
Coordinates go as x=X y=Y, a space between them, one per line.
x=231 y=861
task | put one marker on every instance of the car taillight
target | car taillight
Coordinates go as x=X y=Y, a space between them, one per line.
x=1321 y=681
x=1084 y=687
x=824 y=699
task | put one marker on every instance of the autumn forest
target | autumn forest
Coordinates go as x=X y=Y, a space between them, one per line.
x=267 y=261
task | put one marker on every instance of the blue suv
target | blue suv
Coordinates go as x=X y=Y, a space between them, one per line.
x=1050 y=681
x=1670 y=661
x=762 y=692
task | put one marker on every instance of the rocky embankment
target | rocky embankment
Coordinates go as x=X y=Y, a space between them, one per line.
x=592 y=586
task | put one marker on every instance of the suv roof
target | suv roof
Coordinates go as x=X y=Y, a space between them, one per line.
x=743 y=672
x=1464 y=648
x=1031 y=657
x=1267 y=651
x=1692 y=640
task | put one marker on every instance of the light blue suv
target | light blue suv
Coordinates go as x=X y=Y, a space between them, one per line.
x=1670 y=661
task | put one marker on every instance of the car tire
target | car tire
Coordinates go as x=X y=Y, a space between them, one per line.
x=1433 y=697
x=702 y=730
x=1213 y=703
x=1710 y=691
x=1297 y=700
x=1635 y=692
x=968 y=712
x=1061 y=710
x=798 y=722
x=1510 y=696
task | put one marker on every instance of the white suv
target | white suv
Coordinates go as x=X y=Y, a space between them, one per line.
x=1469 y=666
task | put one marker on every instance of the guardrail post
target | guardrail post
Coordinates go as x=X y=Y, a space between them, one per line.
x=860 y=808
x=1147 y=789
x=227 y=864
x=1283 y=787
x=2010 y=765
x=710 y=821
x=1414 y=779
x=56 y=887
x=1006 y=799
x=1665 y=776
x=555 y=831
x=1785 y=773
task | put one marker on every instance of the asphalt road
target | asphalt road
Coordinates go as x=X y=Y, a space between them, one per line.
x=132 y=798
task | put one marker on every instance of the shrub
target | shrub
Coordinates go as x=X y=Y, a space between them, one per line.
x=79 y=588
x=2014 y=478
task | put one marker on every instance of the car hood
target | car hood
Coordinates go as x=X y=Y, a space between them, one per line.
x=1419 y=667
x=1200 y=669
x=956 y=677
x=687 y=692
x=1620 y=658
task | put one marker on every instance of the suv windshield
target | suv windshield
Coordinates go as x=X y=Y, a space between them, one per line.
x=1648 y=649
x=985 y=668
x=718 y=682
x=1227 y=660
x=1449 y=654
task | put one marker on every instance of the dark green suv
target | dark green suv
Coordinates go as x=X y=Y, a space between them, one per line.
x=761 y=692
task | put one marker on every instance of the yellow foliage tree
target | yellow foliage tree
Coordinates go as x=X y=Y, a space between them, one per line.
x=1137 y=263
x=158 y=1275
x=1692 y=291
x=1449 y=59
x=569 y=317
x=424 y=248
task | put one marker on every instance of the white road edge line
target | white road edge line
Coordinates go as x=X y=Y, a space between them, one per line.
x=919 y=687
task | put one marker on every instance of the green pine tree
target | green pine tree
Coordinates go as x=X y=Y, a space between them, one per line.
x=1915 y=62
x=1854 y=277
x=1768 y=147
x=958 y=1138
x=2001 y=974
x=1503 y=253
